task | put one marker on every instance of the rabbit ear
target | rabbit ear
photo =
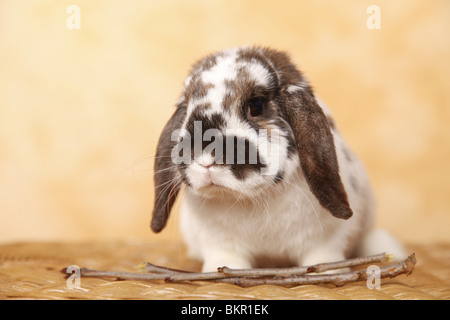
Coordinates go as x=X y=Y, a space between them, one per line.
x=315 y=146
x=165 y=176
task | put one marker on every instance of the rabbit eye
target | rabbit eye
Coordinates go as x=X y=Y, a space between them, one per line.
x=255 y=107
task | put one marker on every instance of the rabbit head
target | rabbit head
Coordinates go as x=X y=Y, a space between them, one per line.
x=246 y=121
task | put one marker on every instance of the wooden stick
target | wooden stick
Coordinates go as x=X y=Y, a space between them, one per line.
x=275 y=276
x=318 y=268
x=339 y=279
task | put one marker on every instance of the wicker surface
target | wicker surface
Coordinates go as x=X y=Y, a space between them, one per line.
x=32 y=271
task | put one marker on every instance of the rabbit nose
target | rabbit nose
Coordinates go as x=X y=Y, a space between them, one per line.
x=205 y=160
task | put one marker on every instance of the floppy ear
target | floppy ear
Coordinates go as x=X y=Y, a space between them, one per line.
x=165 y=174
x=315 y=146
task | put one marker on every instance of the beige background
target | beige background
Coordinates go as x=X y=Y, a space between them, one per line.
x=81 y=110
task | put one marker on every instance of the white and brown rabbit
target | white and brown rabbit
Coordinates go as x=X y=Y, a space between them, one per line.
x=267 y=178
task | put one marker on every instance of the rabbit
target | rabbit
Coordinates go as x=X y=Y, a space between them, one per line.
x=287 y=192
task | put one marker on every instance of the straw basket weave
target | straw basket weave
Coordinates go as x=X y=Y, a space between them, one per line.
x=33 y=271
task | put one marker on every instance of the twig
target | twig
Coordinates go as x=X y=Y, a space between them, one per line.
x=318 y=268
x=150 y=267
x=339 y=279
x=85 y=272
x=275 y=276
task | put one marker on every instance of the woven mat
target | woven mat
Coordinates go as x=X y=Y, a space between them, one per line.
x=32 y=271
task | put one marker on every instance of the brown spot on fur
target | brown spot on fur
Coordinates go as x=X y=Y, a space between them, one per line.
x=197 y=89
x=205 y=63
x=259 y=55
x=202 y=107
x=228 y=100
x=285 y=69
